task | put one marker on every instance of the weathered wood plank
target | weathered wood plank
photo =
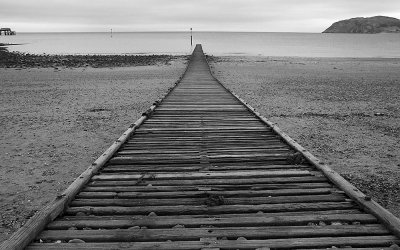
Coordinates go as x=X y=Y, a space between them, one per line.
x=144 y=234
x=124 y=192
x=247 y=188
x=95 y=200
x=198 y=167
x=190 y=182
x=209 y=175
x=204 y=209
x=237 y=220
x=327 y=242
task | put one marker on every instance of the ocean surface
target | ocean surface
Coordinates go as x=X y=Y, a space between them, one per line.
x=214 y=43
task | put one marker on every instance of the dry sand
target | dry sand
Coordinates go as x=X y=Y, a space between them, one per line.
x=345 y=111
x=54 y=123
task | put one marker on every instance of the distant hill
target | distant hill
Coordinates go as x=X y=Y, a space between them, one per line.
x=369 y=25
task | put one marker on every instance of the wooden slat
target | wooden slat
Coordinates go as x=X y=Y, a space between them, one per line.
x=209 y=175
x=124 y=192
x=215 y=221
x=144 y=234
x=302 y=179
x=101 y=201
x=246 y=190
x=327 y=242
x=204 y=209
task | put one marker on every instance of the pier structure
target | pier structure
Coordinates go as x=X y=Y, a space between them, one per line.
x=201 y=169
x=7 y=32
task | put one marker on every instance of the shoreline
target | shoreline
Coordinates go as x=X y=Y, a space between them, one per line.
x=260 y=58
x=12 y=59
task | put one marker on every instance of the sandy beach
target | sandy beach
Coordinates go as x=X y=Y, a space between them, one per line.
x=55 y=122
x=345 y=111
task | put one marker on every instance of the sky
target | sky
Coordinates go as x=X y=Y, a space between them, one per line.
x=180 y=15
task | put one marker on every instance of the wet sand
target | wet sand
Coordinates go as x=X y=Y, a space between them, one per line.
x=345 y=111
x=56 y=122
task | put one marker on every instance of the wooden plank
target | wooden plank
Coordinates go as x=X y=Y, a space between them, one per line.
x=145 y=234
x=191 y=182
x=327 y=242
x=204 y=209
x=95 y=200
x=221 y=215
x=198 y=167
x=216 y=221
x=247 y=188
x=209 y=175
x=216 y=129
x=125 y=192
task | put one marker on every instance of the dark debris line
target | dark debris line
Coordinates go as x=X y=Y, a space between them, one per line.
x=26 y=60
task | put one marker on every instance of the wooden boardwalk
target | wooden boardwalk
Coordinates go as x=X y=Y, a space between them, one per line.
x=206 y=172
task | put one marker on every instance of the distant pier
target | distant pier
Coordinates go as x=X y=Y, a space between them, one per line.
x=7 y=32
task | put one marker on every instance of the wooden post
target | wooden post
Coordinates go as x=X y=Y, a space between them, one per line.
x=191 y=38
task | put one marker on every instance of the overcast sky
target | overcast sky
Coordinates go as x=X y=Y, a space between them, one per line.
x=180 y=15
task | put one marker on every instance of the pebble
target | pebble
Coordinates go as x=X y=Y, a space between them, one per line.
x=395 y=247
x=76 y=241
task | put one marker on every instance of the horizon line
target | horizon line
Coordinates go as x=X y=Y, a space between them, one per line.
x=169 y=31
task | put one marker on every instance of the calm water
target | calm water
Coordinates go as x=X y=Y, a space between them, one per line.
x=216 y=43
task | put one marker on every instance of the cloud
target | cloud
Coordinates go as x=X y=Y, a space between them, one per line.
x=152 y=15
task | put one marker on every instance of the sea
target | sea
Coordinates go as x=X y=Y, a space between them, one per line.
x=385 y=45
